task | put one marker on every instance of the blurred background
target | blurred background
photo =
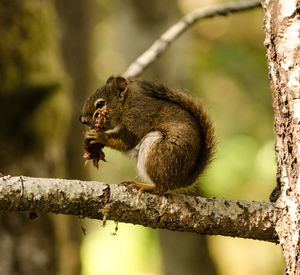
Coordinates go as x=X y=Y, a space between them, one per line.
x=53 y=54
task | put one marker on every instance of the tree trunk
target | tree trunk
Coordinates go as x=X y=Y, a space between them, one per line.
x=282 y=27
x=185 y=253
x=75 y=25
x=76 y=19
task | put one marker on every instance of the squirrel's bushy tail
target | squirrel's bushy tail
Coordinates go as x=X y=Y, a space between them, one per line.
x=195 y=107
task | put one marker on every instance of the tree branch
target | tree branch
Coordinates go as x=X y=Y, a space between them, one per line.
x=160 y=45
x=254 y=220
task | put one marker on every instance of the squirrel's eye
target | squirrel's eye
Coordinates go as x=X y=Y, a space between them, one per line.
x=99 y=103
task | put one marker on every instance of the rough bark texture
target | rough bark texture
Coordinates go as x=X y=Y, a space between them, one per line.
x=254 y=220
x=282 y=27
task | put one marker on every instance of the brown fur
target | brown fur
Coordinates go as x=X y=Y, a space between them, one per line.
x=137 y=108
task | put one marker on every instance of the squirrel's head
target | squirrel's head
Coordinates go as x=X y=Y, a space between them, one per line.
x=110 y=96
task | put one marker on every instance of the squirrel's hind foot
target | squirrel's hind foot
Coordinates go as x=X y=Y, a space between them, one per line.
x=142 y=187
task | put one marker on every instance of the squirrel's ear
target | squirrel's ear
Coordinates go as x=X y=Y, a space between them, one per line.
x=120 y=86
x=110 y=79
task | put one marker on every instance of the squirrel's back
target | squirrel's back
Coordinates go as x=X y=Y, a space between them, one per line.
x=195 y=108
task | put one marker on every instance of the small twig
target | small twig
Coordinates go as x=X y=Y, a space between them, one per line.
x=160 y=45
x=116 y=229
x=104 y=220
x=22 y=186
x=83 y=229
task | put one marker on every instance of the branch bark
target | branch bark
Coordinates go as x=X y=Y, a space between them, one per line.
x=161 y=45
x=254 y=220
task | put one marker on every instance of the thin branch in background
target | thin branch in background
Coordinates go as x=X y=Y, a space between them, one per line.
x=236 y=218
x=161 y=45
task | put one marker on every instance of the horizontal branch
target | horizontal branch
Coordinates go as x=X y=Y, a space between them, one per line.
x=255 y=220
x=160 y=45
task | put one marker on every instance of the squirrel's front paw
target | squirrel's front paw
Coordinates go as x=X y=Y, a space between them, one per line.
x=95 y=136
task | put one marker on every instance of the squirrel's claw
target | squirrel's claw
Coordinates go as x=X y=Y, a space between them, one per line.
x=94 y=141
x=142 y=187
x=91 y=134
x=95 y=137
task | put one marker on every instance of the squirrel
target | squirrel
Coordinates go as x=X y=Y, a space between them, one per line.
x=168 y=131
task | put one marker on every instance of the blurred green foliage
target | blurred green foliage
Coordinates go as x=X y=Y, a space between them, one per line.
x=128 y=250
x=34 y=106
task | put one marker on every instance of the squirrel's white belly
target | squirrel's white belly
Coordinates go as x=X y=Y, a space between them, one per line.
x=141 y=152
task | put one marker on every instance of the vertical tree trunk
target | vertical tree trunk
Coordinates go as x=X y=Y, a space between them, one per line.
x=185 y=253
x=76 y=25
x=282 y=27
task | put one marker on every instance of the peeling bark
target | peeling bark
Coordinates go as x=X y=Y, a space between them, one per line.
x=254 y=220
x=282 y=28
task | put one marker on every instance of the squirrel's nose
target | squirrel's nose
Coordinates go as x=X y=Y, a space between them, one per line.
x=83 y=119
